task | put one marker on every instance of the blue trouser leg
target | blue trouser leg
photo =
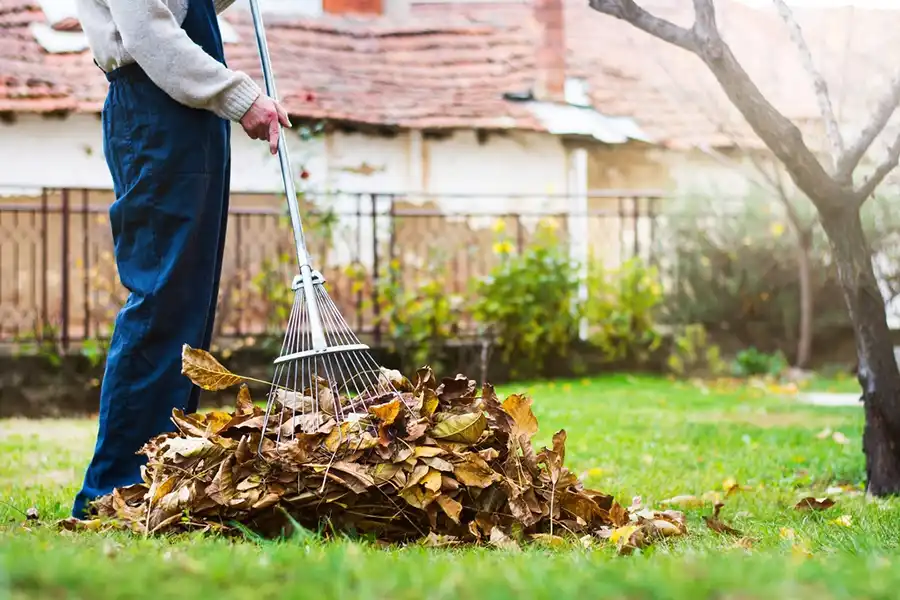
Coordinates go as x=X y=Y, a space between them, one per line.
x=170 y=168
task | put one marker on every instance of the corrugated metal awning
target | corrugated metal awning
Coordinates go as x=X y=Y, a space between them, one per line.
x=565 y=119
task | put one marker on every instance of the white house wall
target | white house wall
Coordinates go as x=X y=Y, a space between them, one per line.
x=455 y=173
x=68 y=152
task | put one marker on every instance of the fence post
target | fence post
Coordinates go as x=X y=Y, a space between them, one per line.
x=635 y=226
x=45 y=267
x=376 y=310
x=64 y=269
x=86 y=260
x=579 y=235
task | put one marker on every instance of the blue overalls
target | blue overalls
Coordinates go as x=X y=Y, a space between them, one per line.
x=170 y=166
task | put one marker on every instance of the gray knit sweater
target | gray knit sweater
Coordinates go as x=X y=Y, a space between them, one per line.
x=149 y=32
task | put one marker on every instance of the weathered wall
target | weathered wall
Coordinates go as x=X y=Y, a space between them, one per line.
x=462 y=172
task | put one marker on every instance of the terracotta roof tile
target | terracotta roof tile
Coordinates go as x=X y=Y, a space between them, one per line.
x=675 y=99
x=439 y=74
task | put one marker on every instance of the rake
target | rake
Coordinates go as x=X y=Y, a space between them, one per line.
x=323 y=371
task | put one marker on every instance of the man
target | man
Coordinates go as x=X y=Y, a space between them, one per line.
x=166 y=138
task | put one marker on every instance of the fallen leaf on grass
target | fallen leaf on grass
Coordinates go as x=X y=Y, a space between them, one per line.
x=840 y=438
x=717 y=525
x=843 y=521
x=684 y=501
x=745 y=543
x=811 y=503
x=732 y=486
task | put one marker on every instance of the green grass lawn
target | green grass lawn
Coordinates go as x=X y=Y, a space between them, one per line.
x=628 y=436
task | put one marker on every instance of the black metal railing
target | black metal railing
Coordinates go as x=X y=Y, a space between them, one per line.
x=58 y=278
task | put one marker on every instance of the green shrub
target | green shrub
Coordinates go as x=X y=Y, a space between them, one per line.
x=735 y=271
x=750 y=362
x=621 y=309
x=418 y=320
x=693 y=355
x=528 y=303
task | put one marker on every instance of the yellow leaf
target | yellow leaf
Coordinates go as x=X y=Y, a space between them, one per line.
x=519 y=408
x=387 y=412
x=622 y=532
x=427 y=451
x=729 y=484
x=684 y=501
x=205 y=371
x=432 y=480
x=843 y=521
x=787 y=533
x=465 y=428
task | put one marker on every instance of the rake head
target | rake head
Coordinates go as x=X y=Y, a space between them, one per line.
x=323 y=371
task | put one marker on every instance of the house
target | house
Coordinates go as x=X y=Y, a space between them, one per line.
x=440 y=112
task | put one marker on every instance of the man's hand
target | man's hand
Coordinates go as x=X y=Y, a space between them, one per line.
x=261 y=121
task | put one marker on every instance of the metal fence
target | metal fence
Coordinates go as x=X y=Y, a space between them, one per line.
x=58 y=277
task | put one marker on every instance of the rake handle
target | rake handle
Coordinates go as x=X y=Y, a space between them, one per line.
x=283 y=157
x=315 y=322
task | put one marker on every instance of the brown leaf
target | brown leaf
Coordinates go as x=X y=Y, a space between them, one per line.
x=451 y=507
x=811 y=503
x=473 y=471
x=519 y=408
x=438 y=463
x=354 y=476
x=618 y=515
x=717 y=524
x=418 y=497
x=418 y=473
x=501 y=540
x=465 y=428
x=205 y=371
x=244 y=404
x=416 y=430
x=387 y=413
x=456 y=388
x=222 y=489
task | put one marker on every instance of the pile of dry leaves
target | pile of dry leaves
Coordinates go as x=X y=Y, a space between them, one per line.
x=451 y=466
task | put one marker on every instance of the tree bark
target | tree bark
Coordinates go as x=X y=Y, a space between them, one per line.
x=878 y=374
x=804 y=343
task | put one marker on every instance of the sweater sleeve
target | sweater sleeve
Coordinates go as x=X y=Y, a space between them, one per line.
x=181 y=68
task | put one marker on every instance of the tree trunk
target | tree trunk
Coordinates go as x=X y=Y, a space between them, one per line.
x=804 y=343
x=878 y=373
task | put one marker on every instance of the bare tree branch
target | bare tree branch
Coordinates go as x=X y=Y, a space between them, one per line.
x=773 y=128
x=819 y=85
x=880 y=117
x=705 y=19
x=628 y=11
x=881 y=171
